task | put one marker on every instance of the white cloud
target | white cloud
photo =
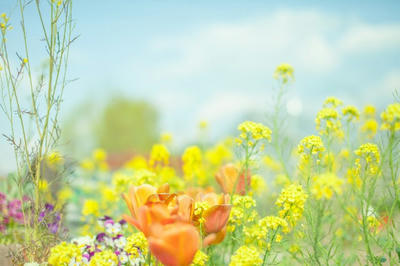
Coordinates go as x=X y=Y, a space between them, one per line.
x=225 y=106
x=370 y=38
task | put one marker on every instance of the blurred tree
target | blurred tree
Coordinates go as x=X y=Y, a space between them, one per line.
x=127 y=125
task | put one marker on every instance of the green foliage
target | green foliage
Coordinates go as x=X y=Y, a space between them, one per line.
x=127 y=125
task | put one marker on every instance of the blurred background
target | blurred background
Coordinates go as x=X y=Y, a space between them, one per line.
x=141 y=68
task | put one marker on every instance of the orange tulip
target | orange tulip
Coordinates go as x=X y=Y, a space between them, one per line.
x=229 y=175
x=215 y=217
x=149 y=215
x=137 y=197
x=214 y=238
x=174 y=244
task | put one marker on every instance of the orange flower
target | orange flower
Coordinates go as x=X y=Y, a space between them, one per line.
x=137 y=197
x=215 y=217
x=174 y=244
x=149 y=215
x=228 y=176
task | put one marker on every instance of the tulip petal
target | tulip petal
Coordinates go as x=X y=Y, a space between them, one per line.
x=216 y=218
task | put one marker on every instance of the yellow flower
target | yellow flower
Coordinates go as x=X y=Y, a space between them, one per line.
x=99 y=155
x=43 y=185
x=325 y=185
x=333 y=102
x=252 y=132
x=121 y=181
x=258 y=184
x=240 y=206
x=87 y=165
x=370 y=127
x=136 y=244
x=291 y=200
x=104 y=258
x=327 y=122
x=90 y=207
x=351 y=112
x=65 y=254
x=218 y=154
x=369 y=152
x=284 y=72
x=108 y=194
x=64 y=194
x=272 y=223
x=166 y=138
x=192 y=162
x=311 y=145
x=203 y=124
x=369 y=111
x=200 y=259
x=246 y=256
x=137 y=163
x=159 y=155
x=54 y=159
x=391 y=117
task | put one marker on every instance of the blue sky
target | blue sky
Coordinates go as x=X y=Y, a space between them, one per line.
x=214 y=60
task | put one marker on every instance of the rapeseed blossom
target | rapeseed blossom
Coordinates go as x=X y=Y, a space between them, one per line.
x=291 y=200
x=391 y=117
x=325 y=185
x=246 y=256
x=284 y=72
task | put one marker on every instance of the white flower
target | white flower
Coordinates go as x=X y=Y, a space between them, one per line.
x=83 y=240
x=113 y=228
x=120 y=242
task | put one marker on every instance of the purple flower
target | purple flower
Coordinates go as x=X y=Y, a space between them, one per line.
x=49 y=207
x=101 y=237
x=122 y=222
x=53 y=227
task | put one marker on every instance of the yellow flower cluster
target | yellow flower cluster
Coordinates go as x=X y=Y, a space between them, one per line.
x=311 y=145
x=98 y=161
x=370 y=127
x=332 y=102
x=159 y=155
x=200 y=259
x=4 y=26
x=65 y=254
x=369 y=111
x=273 y=222
x=284 y=72
x=246 y=256
x=219 y=154
x=325 y=185
x=240 y=206
x=136 y=244
x=199 y=208
x=104 y=258
x=327 y=122
x=370 y=153
x=54 y=159
x=136 y=163
x=291 y=200
x=255 y=235
x=192 y=162
x=258 y=184
x=252 y=132
x=391 y=117
x=351 y=112
x=90 y=207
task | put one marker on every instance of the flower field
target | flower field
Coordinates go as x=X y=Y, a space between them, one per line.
x=259 y=196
